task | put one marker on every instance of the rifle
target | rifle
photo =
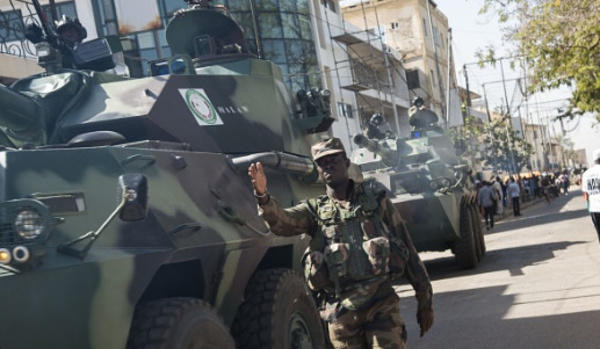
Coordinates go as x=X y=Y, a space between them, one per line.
x=51 y=36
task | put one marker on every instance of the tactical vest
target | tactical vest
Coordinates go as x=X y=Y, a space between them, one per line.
x=351 y=245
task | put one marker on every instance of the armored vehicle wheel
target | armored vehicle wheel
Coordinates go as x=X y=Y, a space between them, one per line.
x=476 y=236
x=465 y=250
x=279 y=313
x=178 y=323
x=477 y=231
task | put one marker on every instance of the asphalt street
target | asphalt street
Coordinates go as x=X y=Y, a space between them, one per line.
x=538 y=285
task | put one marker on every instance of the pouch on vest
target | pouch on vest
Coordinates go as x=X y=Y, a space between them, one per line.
x=315 y=269
x=336 y=257
x=399 y=255
x=378 y=250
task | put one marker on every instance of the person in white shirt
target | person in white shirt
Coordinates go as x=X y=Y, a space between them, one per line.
x=514 y=193
x=590 y=185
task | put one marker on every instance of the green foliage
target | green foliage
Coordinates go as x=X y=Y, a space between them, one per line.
x=465 y=138
x=504 y=148
x=560 y=41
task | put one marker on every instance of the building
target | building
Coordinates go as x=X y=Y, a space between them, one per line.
x=418 y=30
x=309 y=40
x=366 y=77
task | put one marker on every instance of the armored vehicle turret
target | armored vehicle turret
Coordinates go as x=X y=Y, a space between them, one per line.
x=127 y=215
x=434 y=193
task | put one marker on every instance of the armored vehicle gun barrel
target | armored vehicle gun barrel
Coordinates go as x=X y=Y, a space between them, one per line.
x=388 y=155
x=292 y=164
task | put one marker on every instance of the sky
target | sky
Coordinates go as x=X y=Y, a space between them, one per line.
x=472 y=31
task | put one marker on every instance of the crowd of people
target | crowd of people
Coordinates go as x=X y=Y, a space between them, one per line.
x=496 y=194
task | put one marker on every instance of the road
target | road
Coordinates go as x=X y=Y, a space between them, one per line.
x=537 y=287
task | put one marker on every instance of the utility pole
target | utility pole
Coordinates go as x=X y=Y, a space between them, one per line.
x=468 y=92
x=392 y=90
x=466 y=115
x=449 y=46
x=437 y=63
x=508 y=114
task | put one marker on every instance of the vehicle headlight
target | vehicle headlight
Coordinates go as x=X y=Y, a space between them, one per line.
x=5 y=256
x=29 y=224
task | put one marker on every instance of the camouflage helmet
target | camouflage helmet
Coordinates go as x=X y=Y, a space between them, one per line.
x=66 y=22
x=326 y=147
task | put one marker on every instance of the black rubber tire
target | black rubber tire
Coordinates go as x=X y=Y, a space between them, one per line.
x=476 y=235
x=178 y=323
x=478 y=231
x=479 y=225
x=465 y=251
x=278 y=313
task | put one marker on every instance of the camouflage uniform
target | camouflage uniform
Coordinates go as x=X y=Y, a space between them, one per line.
x=357 y=247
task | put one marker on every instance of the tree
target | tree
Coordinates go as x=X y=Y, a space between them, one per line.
x=560 y=42
x=504 y=148
x=466 y=138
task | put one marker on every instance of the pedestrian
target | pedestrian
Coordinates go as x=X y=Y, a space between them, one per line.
x=504 y=196
x=590 y=186
x=359 y=242
x=514 y=193
x=566 y=182
x=485 y=199
x=498 y=189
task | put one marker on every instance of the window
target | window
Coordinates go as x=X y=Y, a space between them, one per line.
x=424 y=28
x=63 y=8
x=328 y=4
x=345 y=110
x=11 y=26
x=432 y=80
x=436 y=36
x=394 y=25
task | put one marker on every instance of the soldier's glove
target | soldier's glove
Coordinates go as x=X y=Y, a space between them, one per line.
x=425 y=320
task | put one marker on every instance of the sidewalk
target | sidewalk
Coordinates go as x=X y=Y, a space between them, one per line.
x=508 y=211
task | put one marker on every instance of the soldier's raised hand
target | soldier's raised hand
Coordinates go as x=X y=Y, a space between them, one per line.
x=258 y=178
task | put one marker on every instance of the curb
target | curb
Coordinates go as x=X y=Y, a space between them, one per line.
x=508 y=212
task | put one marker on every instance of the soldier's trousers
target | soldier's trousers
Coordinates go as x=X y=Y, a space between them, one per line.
x=379 y=326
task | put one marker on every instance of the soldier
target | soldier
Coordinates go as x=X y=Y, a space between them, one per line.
x=359 y=243
x=70 y=33
x=419 y=116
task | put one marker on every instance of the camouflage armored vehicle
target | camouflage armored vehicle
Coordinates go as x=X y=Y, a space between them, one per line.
x=434 y=193
x=127 y=216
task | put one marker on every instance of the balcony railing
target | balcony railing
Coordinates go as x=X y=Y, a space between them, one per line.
x=13 y=21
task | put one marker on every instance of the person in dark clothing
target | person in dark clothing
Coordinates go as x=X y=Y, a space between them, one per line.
x=485 y=198
x=514 y=192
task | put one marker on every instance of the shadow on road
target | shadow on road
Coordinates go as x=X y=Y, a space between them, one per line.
x=513 y=259
x=480 y=318
x=537 y=216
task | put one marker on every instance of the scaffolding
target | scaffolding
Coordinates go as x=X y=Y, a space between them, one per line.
x=371 y=69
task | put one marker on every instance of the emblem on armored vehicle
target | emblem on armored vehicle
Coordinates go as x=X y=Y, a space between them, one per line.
x=201 y=106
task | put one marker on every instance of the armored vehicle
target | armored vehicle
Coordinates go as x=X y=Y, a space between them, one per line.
x=434 y=193
x=127 y=216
